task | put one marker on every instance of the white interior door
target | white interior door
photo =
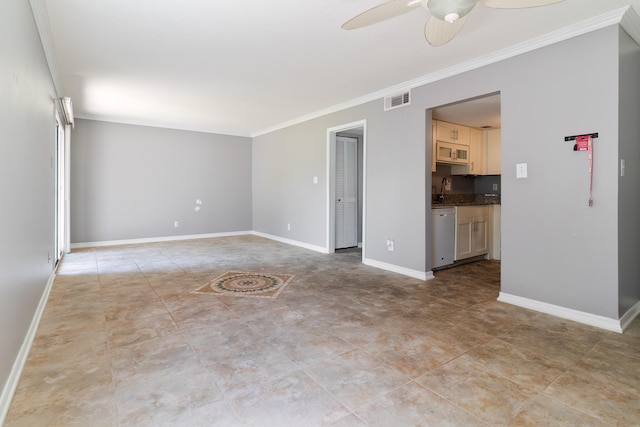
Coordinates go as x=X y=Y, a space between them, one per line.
x=346 y=220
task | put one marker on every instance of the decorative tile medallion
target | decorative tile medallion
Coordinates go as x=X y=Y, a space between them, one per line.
x=239 y=283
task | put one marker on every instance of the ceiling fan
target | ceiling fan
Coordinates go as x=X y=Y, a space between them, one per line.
x=447 y=16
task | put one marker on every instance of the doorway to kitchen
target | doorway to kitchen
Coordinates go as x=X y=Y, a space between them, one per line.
x=467 y=174
x=346 y=147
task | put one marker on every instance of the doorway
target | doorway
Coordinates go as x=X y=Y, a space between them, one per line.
x=346 y=187
x=479 y=181
x=61 y=230
x=346 y=154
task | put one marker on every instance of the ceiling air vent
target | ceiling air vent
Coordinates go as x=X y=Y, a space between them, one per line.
x=398 y=100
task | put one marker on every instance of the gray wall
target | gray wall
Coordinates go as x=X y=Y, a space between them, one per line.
x=555 y=249
x=27 y=145
x=629 y=184
x=286 y=160
x=133 y=182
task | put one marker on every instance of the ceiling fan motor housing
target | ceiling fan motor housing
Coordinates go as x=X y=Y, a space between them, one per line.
x=450 y=10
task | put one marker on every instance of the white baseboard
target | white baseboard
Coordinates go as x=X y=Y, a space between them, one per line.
x=18 y=365
x=291 y=242
x=157 y=239
x=563 y=312
x=629 y=316
x=422 y=275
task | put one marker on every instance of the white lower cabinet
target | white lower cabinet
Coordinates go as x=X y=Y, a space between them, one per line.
x=472 y=231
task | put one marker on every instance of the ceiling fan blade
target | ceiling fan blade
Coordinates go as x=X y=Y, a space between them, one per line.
x=517 y=4
x=382 y=12
x=439 y=32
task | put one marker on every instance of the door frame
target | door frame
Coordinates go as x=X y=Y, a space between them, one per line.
x=60 y=164
x=331 y=179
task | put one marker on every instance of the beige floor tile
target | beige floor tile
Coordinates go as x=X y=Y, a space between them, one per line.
x=455 y=339
x=123 y=341
x=521 y=366
x=125 y=332
x=564 y=347
x=239 y=370
x=413 y=405
x=231 y=334
x=606 y=362
x=293 y=400
x=169 y=397
x=543 y=411
x=613 y=403
x=356 y=378
x=412 y=354
x=308 y=346
x=491 y=398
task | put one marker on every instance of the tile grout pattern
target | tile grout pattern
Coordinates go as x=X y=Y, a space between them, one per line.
x=123 y=342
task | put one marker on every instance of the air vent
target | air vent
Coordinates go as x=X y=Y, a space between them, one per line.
x=398 y=100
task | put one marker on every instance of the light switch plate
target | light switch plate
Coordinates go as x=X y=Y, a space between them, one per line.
x=521 y=170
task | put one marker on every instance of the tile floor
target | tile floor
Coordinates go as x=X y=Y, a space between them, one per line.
x=123 y=342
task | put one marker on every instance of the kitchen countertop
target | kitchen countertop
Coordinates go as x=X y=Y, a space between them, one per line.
x=465 y=200
x=436 y=205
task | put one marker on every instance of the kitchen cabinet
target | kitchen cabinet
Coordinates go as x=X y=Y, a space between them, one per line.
x=476 y=152
x=472 y=231
x=451 y=132
x=495 y=232
x=493 y=152
x=452 y=153
x=433 y=146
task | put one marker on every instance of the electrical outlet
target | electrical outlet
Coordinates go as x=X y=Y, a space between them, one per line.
x=495 y=187
x=176 y=224
x=288 y=227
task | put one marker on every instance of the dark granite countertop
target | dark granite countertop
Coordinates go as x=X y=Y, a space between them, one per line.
x=465 y=200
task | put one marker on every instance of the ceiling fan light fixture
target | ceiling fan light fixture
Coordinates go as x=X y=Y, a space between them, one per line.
x=450 y=10
x=452 y=17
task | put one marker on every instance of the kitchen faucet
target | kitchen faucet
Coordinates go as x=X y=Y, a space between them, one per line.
x=441 y=195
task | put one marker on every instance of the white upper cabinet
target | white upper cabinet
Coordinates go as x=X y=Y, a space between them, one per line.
x=493 y=144
x=476 y=151
x=451 y=132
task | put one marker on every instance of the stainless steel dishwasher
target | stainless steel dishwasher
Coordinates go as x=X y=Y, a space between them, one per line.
x=443 y=227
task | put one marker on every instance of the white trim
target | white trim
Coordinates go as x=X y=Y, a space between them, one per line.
x=588 y=25
x=416 y=274
x=21 y=359
x=331 y=152
x=41 y=18
x=629 y=316
x=291 y=242
x=631 y=24
x=156 y=239
x=563 y=312
x=67 y=189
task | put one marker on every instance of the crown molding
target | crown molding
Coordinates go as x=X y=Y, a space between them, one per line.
x=41 y=17
x=625 y=16
x=631 y=24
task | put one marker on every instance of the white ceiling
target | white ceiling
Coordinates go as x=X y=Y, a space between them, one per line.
x=481 y=112
x=242 y=68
